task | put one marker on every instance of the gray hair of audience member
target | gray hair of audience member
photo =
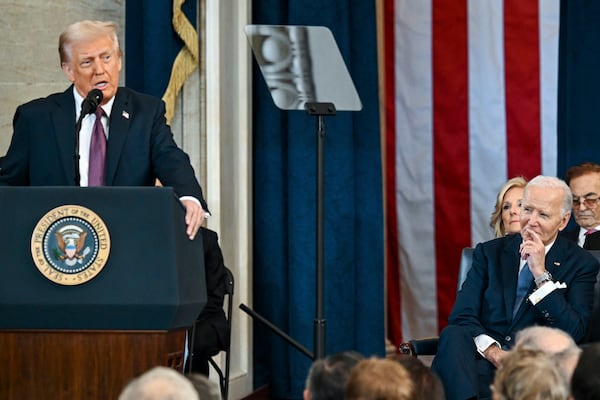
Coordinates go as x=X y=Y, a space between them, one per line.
x=427 y=384
x=529 y=375
x=379 y=379
x=555 y=183
x=585 y=383
x=160 y=383
x=83 y=31
x=207 y=389
x=327 y=376
x=553 y=341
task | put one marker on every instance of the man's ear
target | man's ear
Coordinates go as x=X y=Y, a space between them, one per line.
x=565 y=221
x=68 y=71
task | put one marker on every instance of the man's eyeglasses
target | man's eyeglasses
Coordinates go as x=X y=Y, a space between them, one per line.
x=589 y=202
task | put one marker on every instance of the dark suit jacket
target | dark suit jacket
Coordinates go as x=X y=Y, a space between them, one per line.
x=140 y=145
x=485 y=302
x=484 y=305
x=592 y=242
x=571 y=235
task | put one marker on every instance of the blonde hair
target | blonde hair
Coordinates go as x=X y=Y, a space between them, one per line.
x=527 y=374
x=558 y=344
x=84 y=31
x=496 y=219
x=379 y=379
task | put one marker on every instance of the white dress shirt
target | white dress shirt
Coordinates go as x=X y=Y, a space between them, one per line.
x=85 y=134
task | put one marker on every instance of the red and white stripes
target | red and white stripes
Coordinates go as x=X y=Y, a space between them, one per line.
x=470 y=100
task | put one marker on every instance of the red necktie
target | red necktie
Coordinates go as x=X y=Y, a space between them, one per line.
x=590 y=231
x=97 y=151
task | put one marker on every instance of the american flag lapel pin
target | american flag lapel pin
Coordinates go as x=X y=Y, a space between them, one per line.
x=125 y=114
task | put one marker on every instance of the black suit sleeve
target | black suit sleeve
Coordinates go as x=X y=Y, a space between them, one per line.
x=216 y=276
x=592 y=242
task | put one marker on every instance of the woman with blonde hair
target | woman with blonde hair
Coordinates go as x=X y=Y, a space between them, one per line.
x=529 y=375
x=379 y=379
x=505 y=218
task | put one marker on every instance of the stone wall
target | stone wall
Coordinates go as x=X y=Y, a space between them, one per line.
x=29 y=63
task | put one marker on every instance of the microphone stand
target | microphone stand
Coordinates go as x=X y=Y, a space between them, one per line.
x=88 y=106
x=76 y=158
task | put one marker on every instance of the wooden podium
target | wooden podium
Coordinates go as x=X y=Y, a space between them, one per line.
x=87 y=340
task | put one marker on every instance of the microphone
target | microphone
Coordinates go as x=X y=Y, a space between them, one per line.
x=88 y=106
x=91 y=101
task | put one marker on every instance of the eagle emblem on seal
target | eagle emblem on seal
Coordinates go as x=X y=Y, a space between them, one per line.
x=71 y=245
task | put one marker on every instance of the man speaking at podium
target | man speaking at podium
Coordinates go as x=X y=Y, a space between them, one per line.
x=96 y=133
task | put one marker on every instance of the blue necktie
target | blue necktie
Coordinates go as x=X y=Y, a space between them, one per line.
x=525 y=278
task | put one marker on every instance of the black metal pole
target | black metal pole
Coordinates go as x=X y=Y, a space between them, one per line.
x=278 y=331
x=320 y=323
x=320 y=110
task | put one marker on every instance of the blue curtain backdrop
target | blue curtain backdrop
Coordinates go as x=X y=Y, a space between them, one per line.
x=285 y=206
x=578 y=86
x=284 y=152
x=151 y=44
x=284 y=171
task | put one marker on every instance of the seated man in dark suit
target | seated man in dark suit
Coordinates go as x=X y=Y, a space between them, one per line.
x=211 y=333
x=531 y=278
x=584 y=181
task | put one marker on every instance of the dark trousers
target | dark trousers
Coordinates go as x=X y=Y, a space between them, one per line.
x=462 y=370
x=205 y=344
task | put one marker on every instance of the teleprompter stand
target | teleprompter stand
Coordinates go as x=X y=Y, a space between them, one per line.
x=304 y=69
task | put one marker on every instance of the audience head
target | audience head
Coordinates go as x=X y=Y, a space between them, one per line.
x=584 y=181
x=555 y=342
x=528 y=375
x=160 y=383
x=585 y=383
x=207 y=389
x=379 y=379
x=91 y=57
x=505 y=218
x=427 y=384
x=546 y=208
x=327 y=376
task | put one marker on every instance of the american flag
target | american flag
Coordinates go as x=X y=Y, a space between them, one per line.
x=470 y=101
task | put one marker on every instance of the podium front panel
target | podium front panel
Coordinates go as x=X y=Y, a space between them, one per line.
x=153 y=277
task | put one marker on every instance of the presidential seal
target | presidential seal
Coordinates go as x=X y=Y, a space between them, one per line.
x=70 y=245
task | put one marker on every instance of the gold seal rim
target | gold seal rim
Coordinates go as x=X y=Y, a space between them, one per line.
x=48 y=220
